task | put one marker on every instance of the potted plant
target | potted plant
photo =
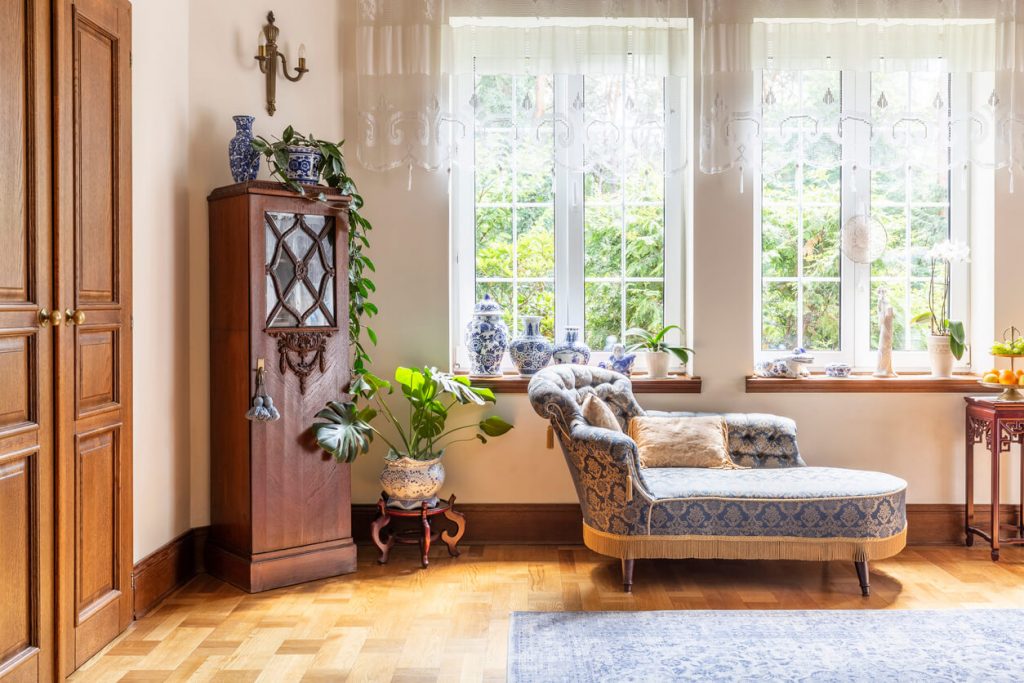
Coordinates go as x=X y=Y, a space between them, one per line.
x=947 y=339
x=413 y=471
x=657 y=350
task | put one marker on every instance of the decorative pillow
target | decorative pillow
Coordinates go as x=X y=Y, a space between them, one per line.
x=682 y=441
x=597 y=414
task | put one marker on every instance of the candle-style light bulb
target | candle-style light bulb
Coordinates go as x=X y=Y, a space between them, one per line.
x=302 y=55
x=261 y=44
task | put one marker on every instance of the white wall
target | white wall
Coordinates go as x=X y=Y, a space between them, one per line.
x=182 y=125
x=161 y=273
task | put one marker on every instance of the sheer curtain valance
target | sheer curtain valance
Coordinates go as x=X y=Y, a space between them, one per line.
x=414 y=60
x=923 y=38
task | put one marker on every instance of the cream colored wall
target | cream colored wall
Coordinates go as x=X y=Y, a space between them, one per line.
x=161 y=274
x=182 y=125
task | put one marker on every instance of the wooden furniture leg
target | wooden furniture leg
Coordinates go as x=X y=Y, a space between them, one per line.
x=627 y=575
x=969 y=497
x=425 y=544
x=995 y=490
x=460 y=523
x=862 y=576
x=383 y=519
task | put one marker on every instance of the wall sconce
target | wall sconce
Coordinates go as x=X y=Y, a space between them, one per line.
x=267 y=55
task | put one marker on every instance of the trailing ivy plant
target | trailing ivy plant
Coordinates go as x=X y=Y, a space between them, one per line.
x=333 y=174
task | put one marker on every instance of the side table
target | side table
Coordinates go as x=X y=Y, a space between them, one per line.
x=423 y=535
x=999 y=424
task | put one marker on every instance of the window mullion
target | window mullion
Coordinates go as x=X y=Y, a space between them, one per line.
x=856 y=199
x=569 y=244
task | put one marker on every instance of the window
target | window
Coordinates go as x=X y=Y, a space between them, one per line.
x=568 y=203
x=814 y=181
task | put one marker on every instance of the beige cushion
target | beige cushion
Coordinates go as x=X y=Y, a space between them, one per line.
x=597 y=414
x=682 y=441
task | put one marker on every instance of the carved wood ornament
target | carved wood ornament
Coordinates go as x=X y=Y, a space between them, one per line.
x=302 y=352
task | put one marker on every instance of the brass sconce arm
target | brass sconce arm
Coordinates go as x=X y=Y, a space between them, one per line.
x=300 y=70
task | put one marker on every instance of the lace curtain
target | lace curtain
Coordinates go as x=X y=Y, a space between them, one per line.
x=870 y=39
x=415 y=56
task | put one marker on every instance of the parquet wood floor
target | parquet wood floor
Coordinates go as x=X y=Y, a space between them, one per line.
x=450 y=622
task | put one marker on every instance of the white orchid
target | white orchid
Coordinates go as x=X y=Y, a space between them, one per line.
x=950 y=251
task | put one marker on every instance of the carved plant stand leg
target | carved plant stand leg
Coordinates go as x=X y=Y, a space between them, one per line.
x=425 y=543
x=383 y=519
x=460 y=523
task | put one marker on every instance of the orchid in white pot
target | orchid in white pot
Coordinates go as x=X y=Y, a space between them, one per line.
x=947 y=340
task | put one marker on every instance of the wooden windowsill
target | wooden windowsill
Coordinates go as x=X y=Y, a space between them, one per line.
x=865 y=383
x=673 y=384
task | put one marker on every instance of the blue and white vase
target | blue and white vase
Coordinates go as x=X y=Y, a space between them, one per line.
x=304 y=164
x=530 y=351
x=244 y=160
x=571 y=350
x=486 y=338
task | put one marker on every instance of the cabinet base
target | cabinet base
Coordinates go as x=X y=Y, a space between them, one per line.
x=259 y=572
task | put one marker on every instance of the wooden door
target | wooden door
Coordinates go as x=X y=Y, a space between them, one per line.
x=93 y=244
x=26 y=345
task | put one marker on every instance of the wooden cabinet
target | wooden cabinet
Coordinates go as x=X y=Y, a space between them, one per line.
x=280 y=507
x=65 y=333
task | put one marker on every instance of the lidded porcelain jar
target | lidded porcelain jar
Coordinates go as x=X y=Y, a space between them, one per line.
x=530 y=351
x=486 y=338
x=571 y=350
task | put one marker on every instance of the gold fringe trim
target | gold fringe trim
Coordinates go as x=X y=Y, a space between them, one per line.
x=743 y=548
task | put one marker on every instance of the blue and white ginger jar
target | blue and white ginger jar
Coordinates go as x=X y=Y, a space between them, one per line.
x=531 y=351
x=244 y=160
x=571 y=350
x=304 y=164
x=487 y=338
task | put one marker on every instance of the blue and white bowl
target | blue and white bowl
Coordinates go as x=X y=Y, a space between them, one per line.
x=304 y=164
x=838 y=370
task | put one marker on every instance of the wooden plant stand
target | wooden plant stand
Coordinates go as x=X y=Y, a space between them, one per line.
x=999 y=424
x=423 y=534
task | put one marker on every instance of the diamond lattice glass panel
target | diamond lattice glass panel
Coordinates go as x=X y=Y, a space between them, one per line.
x=300 y=270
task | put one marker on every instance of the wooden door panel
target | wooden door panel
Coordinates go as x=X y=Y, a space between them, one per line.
x=26 y=348
x=94 y=354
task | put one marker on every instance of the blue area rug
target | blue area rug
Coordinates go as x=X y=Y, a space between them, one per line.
x=848 y=645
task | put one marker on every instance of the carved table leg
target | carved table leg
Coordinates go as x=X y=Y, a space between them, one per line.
x=460 y=523
x=862 y=576
x=996 y=440
x=425 y=543
x=383 y=519
x=969 y=497
x=627 y=575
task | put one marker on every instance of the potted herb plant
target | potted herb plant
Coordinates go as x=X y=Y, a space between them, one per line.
x=656 y=349
x=413 y=471
x=947 y=339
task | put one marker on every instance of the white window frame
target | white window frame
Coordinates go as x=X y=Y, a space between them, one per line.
x=855 y=320
x=569 y=212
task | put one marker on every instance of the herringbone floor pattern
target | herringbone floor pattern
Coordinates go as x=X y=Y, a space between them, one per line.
x=450 y=622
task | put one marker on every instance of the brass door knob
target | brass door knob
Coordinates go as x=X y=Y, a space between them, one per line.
x=48 y=317
x=75 y=317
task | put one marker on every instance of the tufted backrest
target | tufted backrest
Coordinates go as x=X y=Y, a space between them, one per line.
x=557 y=392
x=757 y=439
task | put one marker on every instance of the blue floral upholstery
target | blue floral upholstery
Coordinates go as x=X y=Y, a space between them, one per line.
x=776 y=508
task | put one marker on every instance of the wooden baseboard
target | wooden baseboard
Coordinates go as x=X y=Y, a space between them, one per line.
x=169 y=567
x=562 y=523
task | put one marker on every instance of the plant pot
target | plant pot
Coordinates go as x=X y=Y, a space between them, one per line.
x=940 y=356
x=657 y=364
x=304 y=164
x=409 y=482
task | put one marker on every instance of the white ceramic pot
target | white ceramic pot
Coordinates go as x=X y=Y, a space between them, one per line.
x=657 y=364
x=409 y=482
x=940 y=356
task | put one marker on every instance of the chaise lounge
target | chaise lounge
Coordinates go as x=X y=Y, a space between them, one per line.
x=775 y=508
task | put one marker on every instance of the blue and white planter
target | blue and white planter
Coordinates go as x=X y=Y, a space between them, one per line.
x=487 y=338
x=304 y=164
x=571 y=350
x=531 y=351
x=244 y=160
x=408 y=482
